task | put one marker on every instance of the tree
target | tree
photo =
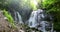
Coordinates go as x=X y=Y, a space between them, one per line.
x=53 y=7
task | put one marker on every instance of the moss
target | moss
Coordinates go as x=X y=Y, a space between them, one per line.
x=9 y=17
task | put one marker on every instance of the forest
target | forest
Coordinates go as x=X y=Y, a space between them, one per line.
x=18 y=14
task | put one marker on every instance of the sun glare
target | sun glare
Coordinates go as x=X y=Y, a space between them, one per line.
x=35 y=2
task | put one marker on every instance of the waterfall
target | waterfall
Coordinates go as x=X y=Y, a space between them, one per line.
x=19 y=18
x=38 y=18
x=42 y=28
x=32 y=20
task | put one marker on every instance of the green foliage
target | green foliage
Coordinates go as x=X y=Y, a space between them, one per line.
x=33 y=4
x=9 y=17
x=21 y=4
x=3 y=3
x=47 y=3
x=53 y=7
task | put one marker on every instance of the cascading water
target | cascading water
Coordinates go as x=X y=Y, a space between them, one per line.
x=42 y=28
x=18 y=18
x=38 y=18
x=32 y=20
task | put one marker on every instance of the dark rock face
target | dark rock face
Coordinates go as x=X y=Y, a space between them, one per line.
x=40 y=20
x=24 y=12
x=44 y=19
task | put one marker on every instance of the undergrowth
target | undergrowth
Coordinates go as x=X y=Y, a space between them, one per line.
x=9 y=17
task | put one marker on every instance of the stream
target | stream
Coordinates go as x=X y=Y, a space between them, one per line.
x=38 y=19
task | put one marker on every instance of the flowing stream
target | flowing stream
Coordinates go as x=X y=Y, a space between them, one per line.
x=37 y=20
x=32 y=20
x=18 y=17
